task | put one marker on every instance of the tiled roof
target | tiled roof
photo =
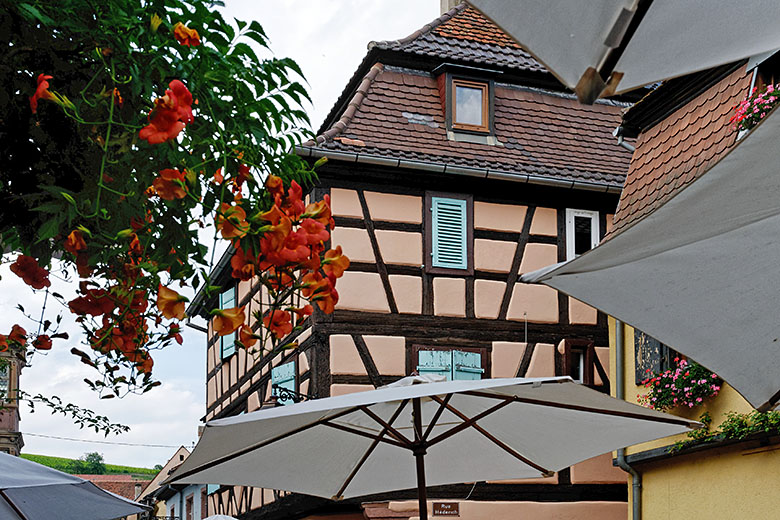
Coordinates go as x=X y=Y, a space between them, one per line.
x=122 y=485
x=464 y=34
x=673 y=153
x=398 y=113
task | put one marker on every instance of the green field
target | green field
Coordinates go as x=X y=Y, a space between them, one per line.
x=64 y=465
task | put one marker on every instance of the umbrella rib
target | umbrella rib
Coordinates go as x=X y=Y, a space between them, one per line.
x=579 y=408
x=436 y=417
x=258 y=446
x=370 y=450
x=388 y=426
x=355 y=431
x=10 y=502
x=472 y=422
x=467 y=422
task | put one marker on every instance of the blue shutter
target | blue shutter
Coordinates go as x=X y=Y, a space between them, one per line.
x=466 y=365
x=227 y=300
x=437 y=362
x=284 y=377
x=212 y=488
x=449 y=233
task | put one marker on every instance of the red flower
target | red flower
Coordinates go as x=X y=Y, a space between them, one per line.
x=231 y=221
x=95 y=302
x=75 y=242
x=42 y=342
x=185 y=35
x=170 y=184
x=316 y=232
x=41 y=92
x=18 y=335
x=274 y=185
x=246 y=336
x=278 y=322
x=169 y=115
x=27 y=268
x=243 y=174
x=335 y=263
x=243 y=266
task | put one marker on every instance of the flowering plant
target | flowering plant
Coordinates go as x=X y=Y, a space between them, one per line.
x=132 y=131
x=751 y=110
x=688 y=384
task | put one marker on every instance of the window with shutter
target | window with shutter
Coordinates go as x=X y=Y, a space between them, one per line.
x=453 y=364
x=227 y=300
x=436 y=362
x=449 y=233
x=582 y=231
x=466 y=365
x=283 y=376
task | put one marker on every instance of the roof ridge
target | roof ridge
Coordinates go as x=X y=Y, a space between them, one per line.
x=424 y=29
x=357 y=99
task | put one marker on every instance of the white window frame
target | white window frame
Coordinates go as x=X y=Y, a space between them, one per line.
x=594 y=229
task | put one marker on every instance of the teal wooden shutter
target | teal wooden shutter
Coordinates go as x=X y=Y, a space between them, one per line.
x=284 y=376
x=449 y=240
x=212 y=488
x=438 y=362
x=227 y=300
x=466 y=365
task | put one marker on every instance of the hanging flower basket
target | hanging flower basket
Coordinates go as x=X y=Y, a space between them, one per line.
x=751 y=110
x=688 y=385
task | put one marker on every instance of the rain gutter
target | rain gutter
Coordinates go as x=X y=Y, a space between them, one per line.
x=636 y=478
x=441 y=167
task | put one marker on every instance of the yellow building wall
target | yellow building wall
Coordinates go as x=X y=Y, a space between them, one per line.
x=721 y=484
x=724 y=483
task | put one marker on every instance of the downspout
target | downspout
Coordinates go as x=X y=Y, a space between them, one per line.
x=181 y=504
x=636 y=478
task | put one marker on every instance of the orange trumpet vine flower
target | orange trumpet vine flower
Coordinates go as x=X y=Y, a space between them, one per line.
x=170 y=184
x=185 y=35
x=227 y=321
x=170 y=303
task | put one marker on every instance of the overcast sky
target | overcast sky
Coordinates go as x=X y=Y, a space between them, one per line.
x=328 y=39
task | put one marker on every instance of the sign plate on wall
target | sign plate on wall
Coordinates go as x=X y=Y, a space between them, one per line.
x=446 y=509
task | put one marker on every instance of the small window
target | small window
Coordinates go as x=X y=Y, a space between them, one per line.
x=283 y=378
x=449 y=236
x=188 y=507
x=470 y=106
x=650 y=354
x=582 y=364
x=5 y=380
x=227 y=344
x=453 y=364
x=582 y=232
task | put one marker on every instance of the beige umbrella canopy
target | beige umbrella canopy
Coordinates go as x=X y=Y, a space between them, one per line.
x=429 y=433
x=702 y=272
x=599 y=47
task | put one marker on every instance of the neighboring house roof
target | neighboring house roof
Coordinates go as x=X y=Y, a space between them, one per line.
x=169 y=466
x=122 y=485
x=397 y=112
x=676 y=151
x=464 y=34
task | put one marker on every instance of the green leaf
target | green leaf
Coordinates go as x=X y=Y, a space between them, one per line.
x=49 y=229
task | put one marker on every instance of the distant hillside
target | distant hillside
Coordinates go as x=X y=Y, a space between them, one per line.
x=65 y=465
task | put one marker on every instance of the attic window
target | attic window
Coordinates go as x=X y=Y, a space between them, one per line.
x=470 y=106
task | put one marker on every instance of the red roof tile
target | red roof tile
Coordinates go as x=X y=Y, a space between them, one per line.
x=675 y=152
x=398 y=113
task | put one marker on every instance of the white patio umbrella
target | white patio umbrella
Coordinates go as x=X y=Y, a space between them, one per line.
x=702 y=272
x=625 y=44
x=30 y=491
x=430 y=433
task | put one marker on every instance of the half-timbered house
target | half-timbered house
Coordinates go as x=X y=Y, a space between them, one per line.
x=455 y=163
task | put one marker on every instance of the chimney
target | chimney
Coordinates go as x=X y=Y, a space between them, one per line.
x=446 y=5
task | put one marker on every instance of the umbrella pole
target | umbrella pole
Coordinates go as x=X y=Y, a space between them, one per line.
x=419 y=456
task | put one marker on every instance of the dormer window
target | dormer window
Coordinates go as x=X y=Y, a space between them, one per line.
x=470 y=106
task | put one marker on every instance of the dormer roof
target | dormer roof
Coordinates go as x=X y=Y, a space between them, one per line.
x=395 y=112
